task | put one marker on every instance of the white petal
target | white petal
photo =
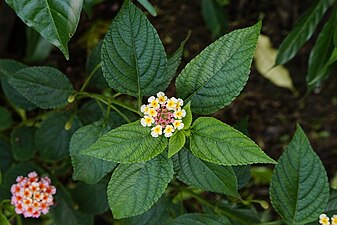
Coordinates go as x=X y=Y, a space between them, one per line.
x=151 y=99
x=322 y=216
x=159 y=94
x=154 y=134
x=142 y=121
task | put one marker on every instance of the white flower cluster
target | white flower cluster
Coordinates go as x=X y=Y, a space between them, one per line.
x=163 y=114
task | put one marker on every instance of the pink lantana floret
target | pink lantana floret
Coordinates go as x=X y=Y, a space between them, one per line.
x=32 y=196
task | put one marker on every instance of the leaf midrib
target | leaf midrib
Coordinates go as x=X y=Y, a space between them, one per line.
x=53 y=22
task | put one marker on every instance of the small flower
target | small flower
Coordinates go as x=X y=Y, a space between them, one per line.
x=145 y=109
x=178 y=124
x=152 y=112
x=154 y=103
x=179 y=103
x=171 y=103
x=168 y=131
x=334 y=220
x=161 y=97
x=147 y=121
x=32 y=196
x=324 y=220
x=180 y=113
x=156 y=131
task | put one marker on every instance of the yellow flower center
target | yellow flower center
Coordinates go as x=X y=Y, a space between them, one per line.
x=325 y=220
x=156 y=129
x=168 y=129
x=148 y=120
x=161 y=99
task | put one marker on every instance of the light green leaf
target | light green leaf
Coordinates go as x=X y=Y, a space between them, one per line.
x=91 y=199
x=176 y=142
x=299 y=189
x=23 y=144
x=200 y=219
x=4 y=220
x=52 y=139
x=301 y=32
x=148 y=6
x=5 y=119
x=44 y=86
x=173 y=62
x=219 y=143
x=7 y=69
x=55 y=20
x=205 y=175
x=134 y=188
x=133 y=57
x=88 y=168
x=187 y=120
x=217 y=75
x=128 y=143
x=318 y=69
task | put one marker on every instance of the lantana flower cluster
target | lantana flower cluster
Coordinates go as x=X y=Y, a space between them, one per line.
x=163 y=114
x=324 y=220
x=32 y=195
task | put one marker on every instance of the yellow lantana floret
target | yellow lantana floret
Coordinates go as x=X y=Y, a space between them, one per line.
x=324 y=220
x=334 y=220
x=156 y=131
x=152 y=112
x=154 y=103
x=147 y=121
x=161 y=97
x=178 y=124
x=171 y=103
x=169 y=129
x=180 y=113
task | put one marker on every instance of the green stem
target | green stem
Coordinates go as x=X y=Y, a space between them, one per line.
x=278 y=222
x=90 y=76
x=18 y=219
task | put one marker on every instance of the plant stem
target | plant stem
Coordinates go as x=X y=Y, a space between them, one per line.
x=90 y=76
x=278 y=222
x=18 y=219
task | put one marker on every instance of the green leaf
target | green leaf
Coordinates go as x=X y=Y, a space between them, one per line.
x=205 y=175
x=134 y=188
x=133 y=57
x=52 y=139
x=6 y=158
x=22 y=141
x=187 y=120
x=44 y=86
x=173 y=62
x=65 y=212
x=217 y=75
x=93 y=65
x=55 y=20
x=89 y=4
x=301 y=32
x=219 y=143
x=128 y=143
x=200 y=219
x=4 y=220
x=88 y=168
x=7 y=69
x=148 y=6
x=176 y=142
x=37 y=48
x=320 y=54
x=242 y=174
x=299 y=189
x=91 y=199
x=5 y=119
x=215 y=17
x=332 y=203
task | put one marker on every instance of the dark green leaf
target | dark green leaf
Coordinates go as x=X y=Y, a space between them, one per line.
x=37 y=48
x=90 y=112
x=89 y=4
x=91 y=199
x=320 y=54
x=52 y=139
x=217 y=75
x=242 y=174
x=176 y=142
x=200 y=219
x=241 y=215
x=134 y=188
x=65 y=213
x=173 y=63
x=87 y=168
x=7 y=69
x=127 y=144
x=205 y=175
x=219 y=143
x=44 y=86
x=6 y=158
x=301 y=32
x=215 y=17
x=93 y=65
x=23 y=144
x=148 y=6
x=5 y=119
x=332 y=203
x=299 y=190
x=55 y=20
x=133 y=57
